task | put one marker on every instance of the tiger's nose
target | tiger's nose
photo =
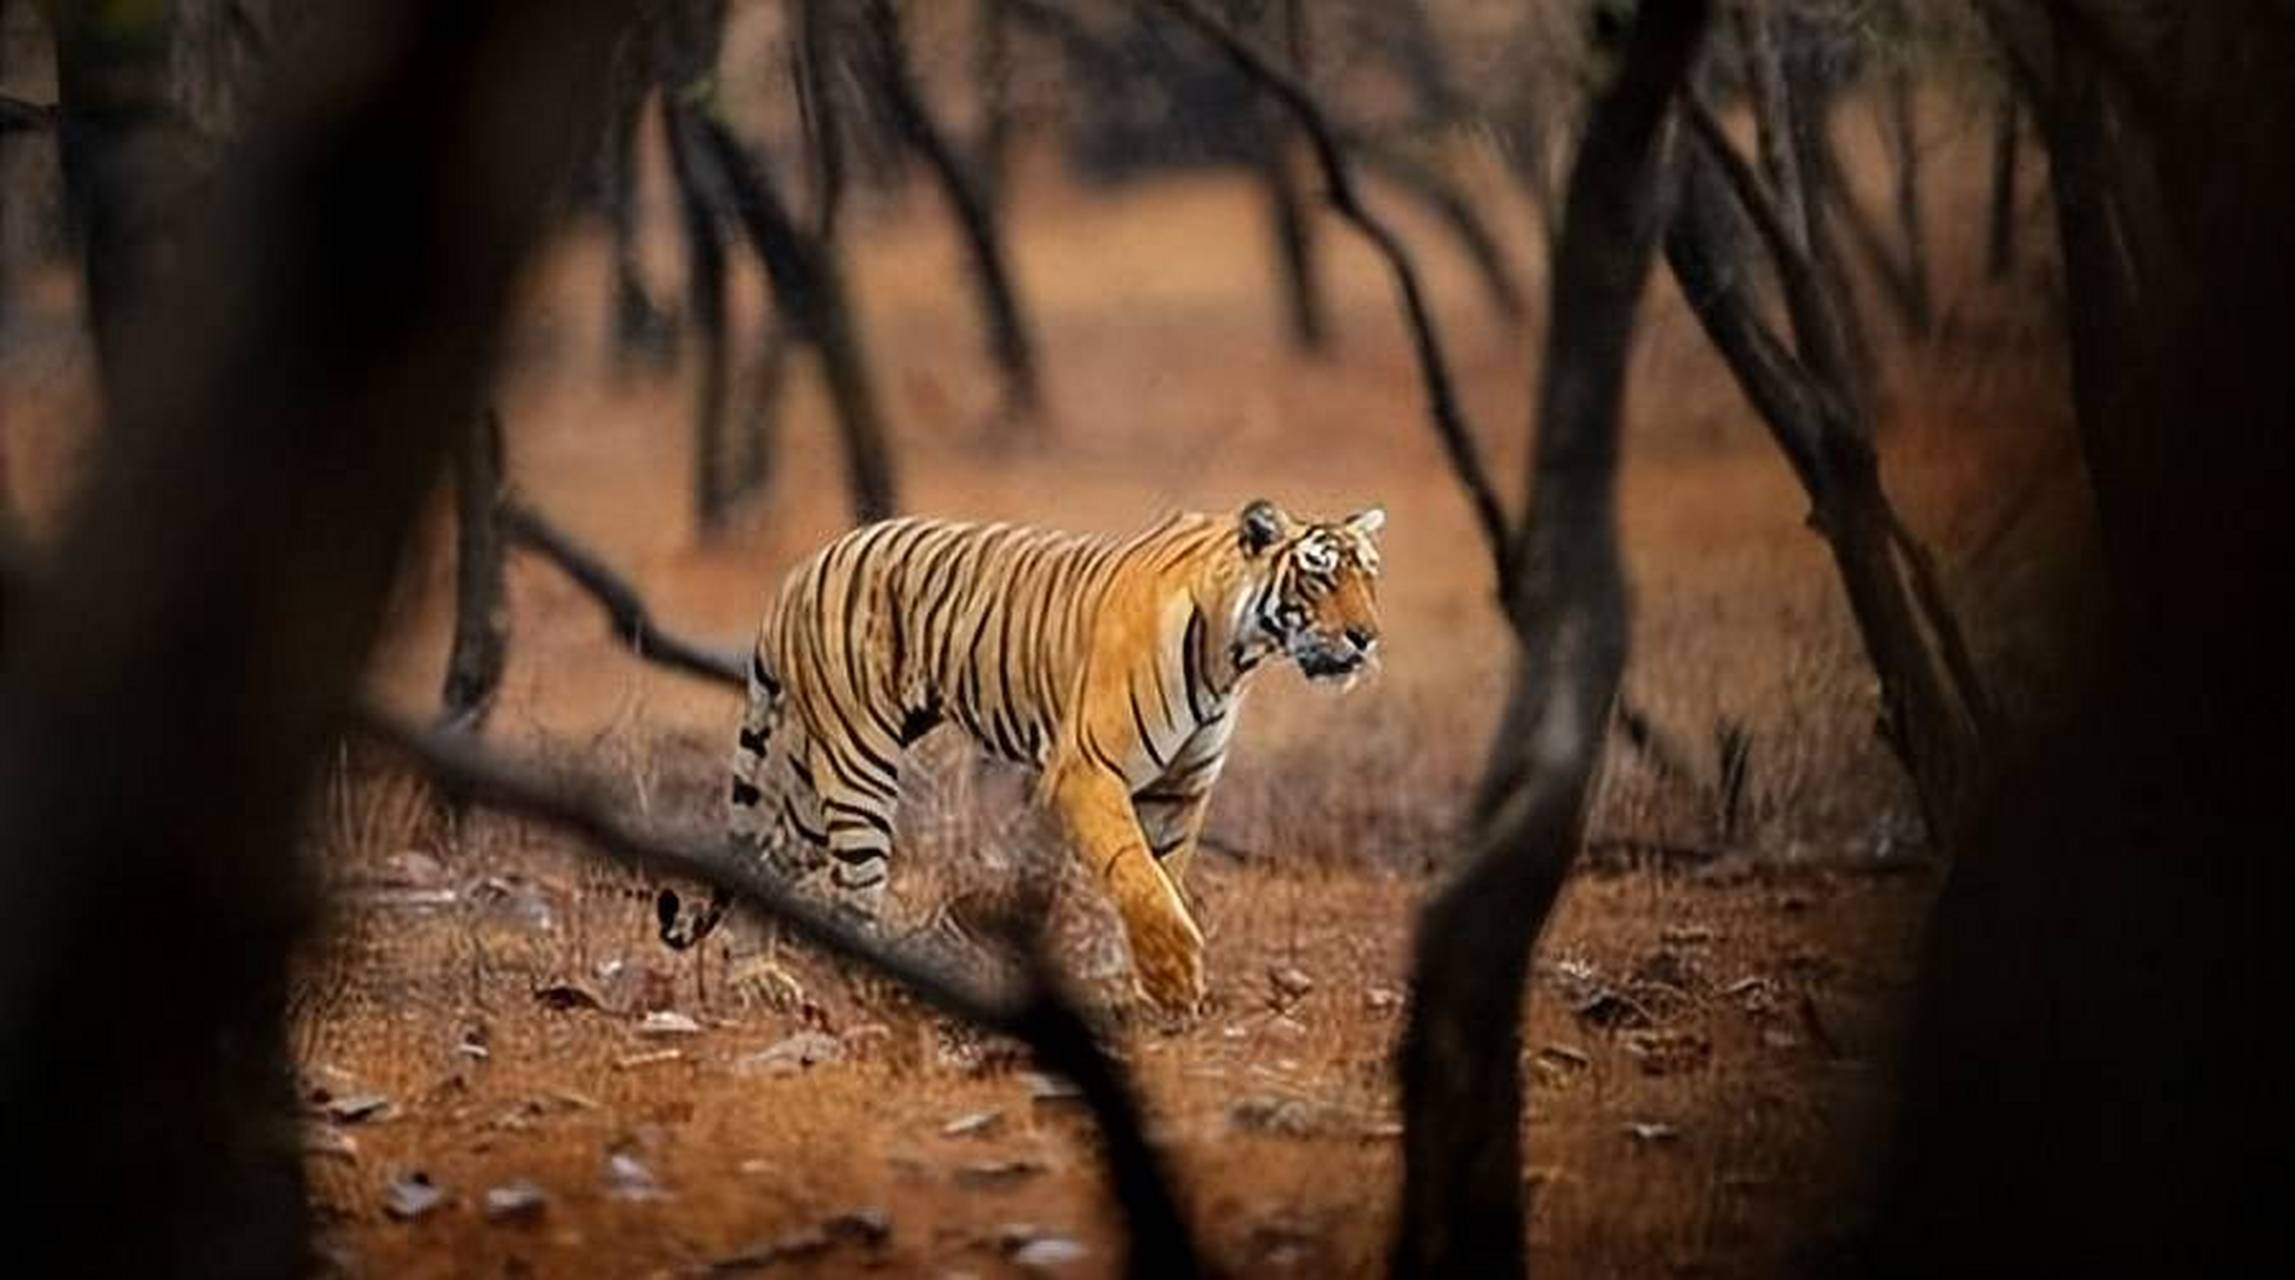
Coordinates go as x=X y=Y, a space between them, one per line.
x=1362 y=638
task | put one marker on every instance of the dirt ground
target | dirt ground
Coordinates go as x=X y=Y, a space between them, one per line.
x=1711 y=1022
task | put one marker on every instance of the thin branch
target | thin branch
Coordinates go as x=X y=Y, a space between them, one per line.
x=625 y=609
x=1936 y=608
x=1457 y=434
x=1037 y=1014
x=1816 y=325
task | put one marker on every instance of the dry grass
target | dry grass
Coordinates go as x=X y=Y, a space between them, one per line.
x=1746 y=1007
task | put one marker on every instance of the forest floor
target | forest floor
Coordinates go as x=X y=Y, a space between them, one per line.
x=1714 y=1011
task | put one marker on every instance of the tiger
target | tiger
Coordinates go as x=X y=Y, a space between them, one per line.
x=1111 y=666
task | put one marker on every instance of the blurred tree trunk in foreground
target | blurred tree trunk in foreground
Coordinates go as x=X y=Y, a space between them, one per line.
x=1461 y=1068
x=165 y=703
x=123 y=147
x=2097 y=1069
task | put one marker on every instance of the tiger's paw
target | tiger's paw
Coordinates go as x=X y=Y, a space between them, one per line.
x=1167 y=960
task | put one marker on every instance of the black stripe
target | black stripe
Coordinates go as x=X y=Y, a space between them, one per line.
x=1092 y=749
x=752 y=740
x=746 y=793
x=1191 y=665
x=869 y=816
x=1140 y=722
x=763 y=674
x=817 y=839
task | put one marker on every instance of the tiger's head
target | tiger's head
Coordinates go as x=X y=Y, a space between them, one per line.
x=1315 y=598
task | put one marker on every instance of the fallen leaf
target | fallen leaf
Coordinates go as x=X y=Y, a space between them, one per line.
x=652 y=1057
x=801 y=1243
x=793 y=1054
x=520 y=1201
x=668 y=1022
x=357 y=1108
x=1382 y=999
x=1290 y=984
x=974 y=1124
x=627 y=1178
x=412 y=1196
x=1650 y=1131
x=1050 y=1253
x=1047 y=1089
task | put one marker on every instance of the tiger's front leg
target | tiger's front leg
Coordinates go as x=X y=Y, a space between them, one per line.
x=1095 y=809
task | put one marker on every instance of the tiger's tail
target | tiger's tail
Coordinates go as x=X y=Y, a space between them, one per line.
x=750 y=808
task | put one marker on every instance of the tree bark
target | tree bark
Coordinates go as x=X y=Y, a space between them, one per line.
x=1932 y=722
x=122 y=145
x=1462 y=1208
x=2052 y=1072
x=689 y=39
x=481 y=611
x=1291 y=228
x=808 y=287
x=166 y=703
x=641 y=332
x=1904 y=133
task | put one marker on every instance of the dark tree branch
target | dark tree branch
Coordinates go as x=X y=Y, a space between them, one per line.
x=1449 y=417
x=1462 y=1209
x=1932 y=717
x=481 y=614
x=1423 y=184
x=1038 y=1015
x=689 y=34
x=625 y=610
x=1817 y=325
x=1010 y=341
x=809 y=289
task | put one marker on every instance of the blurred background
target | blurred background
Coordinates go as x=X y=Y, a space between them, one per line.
x=1059 y=261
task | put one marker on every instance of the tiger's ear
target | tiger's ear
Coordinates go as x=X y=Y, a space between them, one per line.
x=1261 y=525
x=1367 y=521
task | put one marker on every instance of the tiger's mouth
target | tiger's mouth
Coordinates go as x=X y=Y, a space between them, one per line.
x=1331 y=666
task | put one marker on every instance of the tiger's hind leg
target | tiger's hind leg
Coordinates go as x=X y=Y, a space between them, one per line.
x=772 y=813
x=857 y=811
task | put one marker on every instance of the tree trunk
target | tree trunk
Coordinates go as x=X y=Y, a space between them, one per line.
x=1904 y=130
x=690 y=38
x=992 y=80
x=1932 y=726
x=808 y=287
x=641 y=332
x=1010 y=341
x=2105 y=989
x=1462 y=1210
x=1291 y=226
x=226 y=568
x=481 y=612
x=705 y=302
x=1290 y=220
x=121 y=144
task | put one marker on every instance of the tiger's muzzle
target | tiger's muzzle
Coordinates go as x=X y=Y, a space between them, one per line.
x=1323 y=656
